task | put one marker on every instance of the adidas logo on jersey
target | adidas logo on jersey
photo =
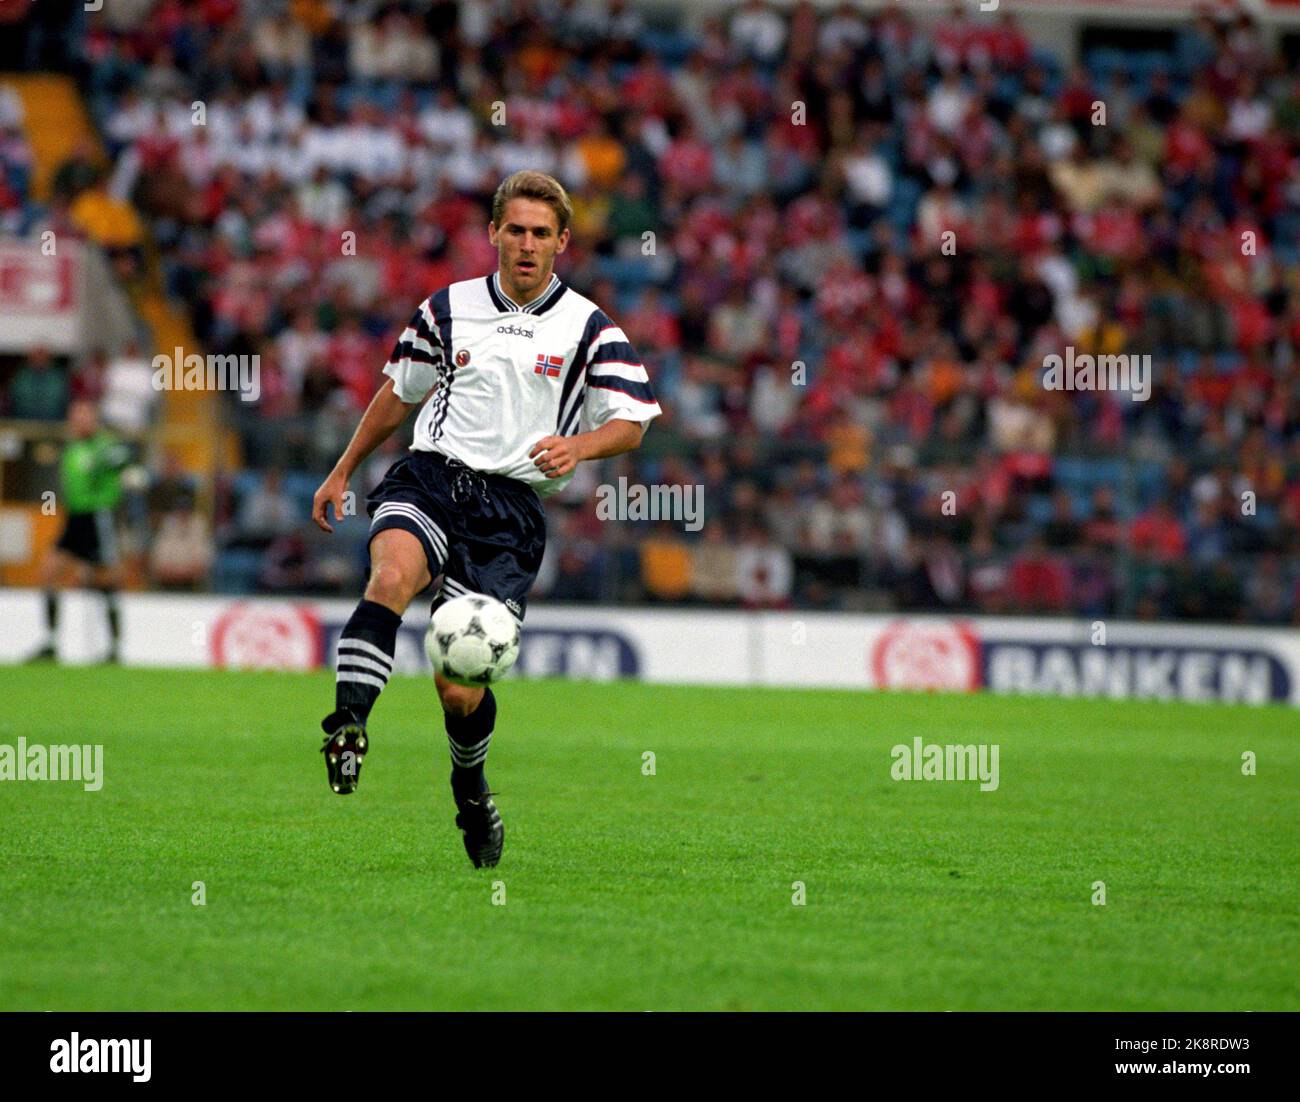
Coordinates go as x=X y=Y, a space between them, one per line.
x=515 y=331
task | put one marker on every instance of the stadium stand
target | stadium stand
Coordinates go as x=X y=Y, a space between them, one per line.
x=828 y=367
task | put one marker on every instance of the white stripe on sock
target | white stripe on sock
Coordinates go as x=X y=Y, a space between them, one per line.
x=466 y=756
x=366 y=648
x=364 y=678
x=355 y=661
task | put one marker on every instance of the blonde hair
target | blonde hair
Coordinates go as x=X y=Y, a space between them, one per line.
x=529 y=184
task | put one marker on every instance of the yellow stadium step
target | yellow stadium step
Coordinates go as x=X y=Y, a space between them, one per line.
x=56 y=121
x=191 y=425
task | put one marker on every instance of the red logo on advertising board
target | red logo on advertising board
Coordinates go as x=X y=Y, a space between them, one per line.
x=920 y=654
x=31 y=283
x=251 y=636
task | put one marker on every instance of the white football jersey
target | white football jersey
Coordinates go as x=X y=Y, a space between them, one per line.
x=503 y=376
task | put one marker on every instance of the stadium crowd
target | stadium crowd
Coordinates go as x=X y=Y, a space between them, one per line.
x=843 y=243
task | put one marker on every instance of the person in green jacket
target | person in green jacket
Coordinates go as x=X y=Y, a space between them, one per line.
x=39 y=391
x=90 y=490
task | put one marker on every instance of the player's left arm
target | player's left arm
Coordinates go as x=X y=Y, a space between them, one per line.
x=114 y=456
x=618 y=400
x=113 y=453
x=558 y=455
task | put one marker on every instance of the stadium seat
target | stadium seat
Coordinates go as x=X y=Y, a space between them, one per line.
x=235 y=571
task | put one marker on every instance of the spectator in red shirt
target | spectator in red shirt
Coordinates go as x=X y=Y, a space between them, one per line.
x=1157 y=534
x=1039 y=581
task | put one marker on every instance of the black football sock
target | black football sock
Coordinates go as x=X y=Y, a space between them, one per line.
x=365 y=660
x=469 y=737
x=49 y=649
x=114 y=629
x=52 y=614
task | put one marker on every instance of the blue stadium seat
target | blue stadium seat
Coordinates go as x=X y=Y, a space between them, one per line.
x=627 y=274
x=1071 y=472
x=1107 y=471
x=1150 y=479
x=301 y=485
x=1039 y=508
x=1046 y=60
x=1149 y=62
x=1009 y=86
x=1105 y=61
x=860 y=242
x=673 y=47
x=244 y=483
x=235 y=571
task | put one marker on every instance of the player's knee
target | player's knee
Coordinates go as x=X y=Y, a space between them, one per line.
x=458 y=700
x=391 y=585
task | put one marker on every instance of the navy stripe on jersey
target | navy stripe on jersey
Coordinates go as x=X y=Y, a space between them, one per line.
x=440 y=306
x=498 y=299
x=504 y=303
x=639 y=391
x=597 y=323
x=571 y=404
x=615 y=352
x=553 y=295
x=426 y=333
x=407 y=349
x=571 y=422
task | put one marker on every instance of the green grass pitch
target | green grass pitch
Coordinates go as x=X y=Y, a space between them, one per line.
x=635 y=892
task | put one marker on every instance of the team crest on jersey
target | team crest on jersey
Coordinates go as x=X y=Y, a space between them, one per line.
x=462 y=357
x=549 y=366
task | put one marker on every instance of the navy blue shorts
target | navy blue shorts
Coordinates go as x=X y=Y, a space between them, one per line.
x=90 y=537
x=483 y=533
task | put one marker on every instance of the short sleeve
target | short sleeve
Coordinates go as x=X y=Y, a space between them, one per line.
x=417 y=359
x=618 y=386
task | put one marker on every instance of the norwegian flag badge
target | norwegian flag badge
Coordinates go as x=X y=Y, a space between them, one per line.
x=548 y=366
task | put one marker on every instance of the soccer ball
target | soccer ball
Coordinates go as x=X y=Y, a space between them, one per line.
x=472 y=640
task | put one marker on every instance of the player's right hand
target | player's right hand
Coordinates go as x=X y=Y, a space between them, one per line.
x=331 y=492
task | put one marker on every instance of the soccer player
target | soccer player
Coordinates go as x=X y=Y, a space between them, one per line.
x=524 y=379
x=90 y=490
